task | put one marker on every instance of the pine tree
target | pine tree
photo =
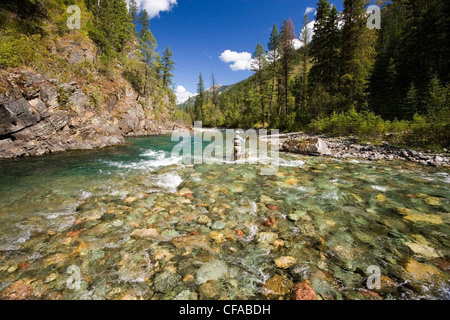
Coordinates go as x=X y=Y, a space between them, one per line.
x=320 y=42
x=215 y=95
x=259 y=65
x=424 y=50
x=113 y=26
x=158 y=67
x=134 y=10
x=199 y=99
x=382 y=94
x=357 y=51
x=148 y=46
x=287 y=52
x=333 y=40
x=410 y=106
x=385 y=94
x=436 y=97
x=168 y=65
x=305 y=36
x=273 y=46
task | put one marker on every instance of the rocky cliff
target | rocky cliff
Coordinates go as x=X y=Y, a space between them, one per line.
x=66 y=89
x=39 y=115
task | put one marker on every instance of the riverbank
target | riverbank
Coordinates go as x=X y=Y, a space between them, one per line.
x=345 y=147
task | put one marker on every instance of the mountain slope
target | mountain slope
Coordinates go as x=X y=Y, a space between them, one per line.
x=64 y=89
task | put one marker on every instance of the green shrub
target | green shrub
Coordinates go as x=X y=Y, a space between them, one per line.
x=365 y=125
x=423 y=131
x=17 y=49
x=180 y=115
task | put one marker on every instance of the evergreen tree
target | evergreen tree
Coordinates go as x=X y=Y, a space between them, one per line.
x=384 y=94
x=410 y=105
x=113 y=26
x=158 y=67
x=436 y=97
x=424 y=50
x=259 y=65
x=148 y=46
x=286 y=52
x=333 y=39
x=199 y=99
x=215 y=95
x=273 y=46
x=305 y=36
x=168 y=65
x=134 y=10
x=357 y=51
x=320 y=41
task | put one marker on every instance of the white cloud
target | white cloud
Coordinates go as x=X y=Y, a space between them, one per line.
x=238 y=60
x=154 y=7
x=309 y=10
x=182 y=94
x=297 y=44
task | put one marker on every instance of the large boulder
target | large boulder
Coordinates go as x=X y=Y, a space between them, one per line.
x=309 y=146
x=16 y=115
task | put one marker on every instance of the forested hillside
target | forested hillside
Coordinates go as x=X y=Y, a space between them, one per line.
x=105 y=79
x=348 y=79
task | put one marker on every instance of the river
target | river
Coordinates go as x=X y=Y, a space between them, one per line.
x=133 y=222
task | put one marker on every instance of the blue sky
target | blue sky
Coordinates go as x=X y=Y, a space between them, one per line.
x=199 y=33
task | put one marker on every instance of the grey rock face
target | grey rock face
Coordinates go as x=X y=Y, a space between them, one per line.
x=16 y=115
x=32 y=121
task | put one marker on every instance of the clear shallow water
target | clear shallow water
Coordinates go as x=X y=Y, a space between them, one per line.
x=333 y=218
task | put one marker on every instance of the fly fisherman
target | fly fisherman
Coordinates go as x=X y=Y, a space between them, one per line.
x=238 y=142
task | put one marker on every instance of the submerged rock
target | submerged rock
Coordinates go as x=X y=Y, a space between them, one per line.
x=296 y=215
x=428 y=218
x=210 y=289
x=166 y=281
x=145 y=233
x=184 y=295
x=266 y=199
x=213 y=270
x=381 y=197
x=277 y=285
x=402 y=211
x=219 y=225
x=19 y=290
x=421 y=271
x=433 y=201
x=422 y=250
x=130 y=200
x=303 y=291
x=217 y=237
x=190 y=241
x=266 y=237
x=285 y=262
x=204 y=219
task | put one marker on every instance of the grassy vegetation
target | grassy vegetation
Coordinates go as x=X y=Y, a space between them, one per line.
x=34 y=34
